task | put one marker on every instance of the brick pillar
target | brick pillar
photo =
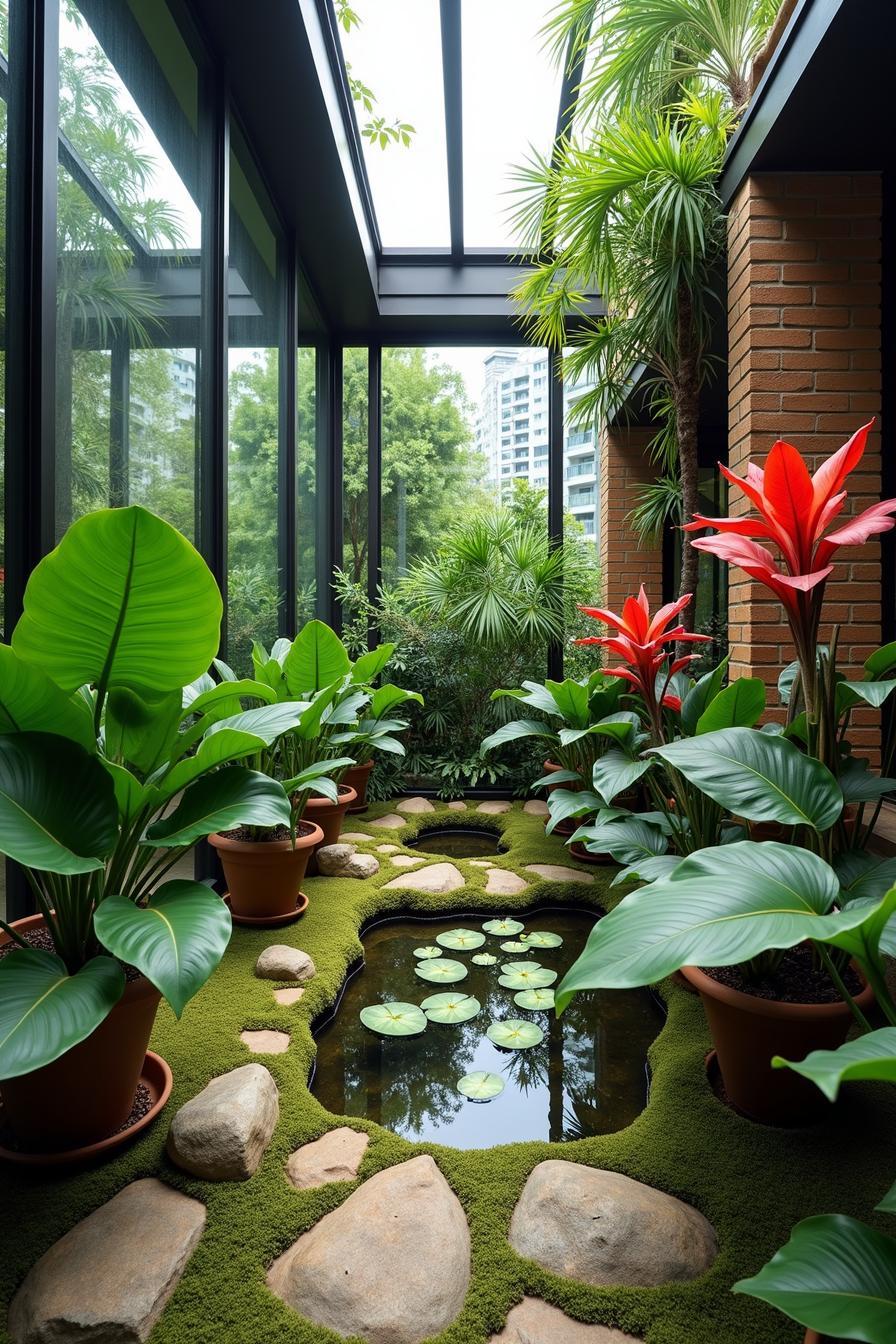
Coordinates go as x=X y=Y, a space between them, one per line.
x=626 y=560
x=804 y=364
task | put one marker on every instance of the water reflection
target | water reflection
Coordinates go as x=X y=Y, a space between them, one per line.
x=457 y=842
x=587 y=1076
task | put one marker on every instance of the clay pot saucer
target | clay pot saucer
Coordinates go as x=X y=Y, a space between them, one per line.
x=269 y=921
x=156 y=1078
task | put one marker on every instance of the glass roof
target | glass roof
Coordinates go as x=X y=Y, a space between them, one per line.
x=510 y=97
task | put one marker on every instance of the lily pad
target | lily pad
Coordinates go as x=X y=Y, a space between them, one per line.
x=538 y=979
x=505 y=928
x=518 y=948
x=461 y=940
x=450 y=1008
x=534 y=999
x=540 y=938
x=483 y=959
x=514 y=1034
x=394 y=1019
x=441 y=971
x=426 y=953
x=480 y=1086
x=509 y=966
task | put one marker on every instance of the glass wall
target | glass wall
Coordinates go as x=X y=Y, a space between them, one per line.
x=128 y=238
x=354 y=483
x=308 y=503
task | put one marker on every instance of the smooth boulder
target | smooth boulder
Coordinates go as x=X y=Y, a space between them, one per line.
x=390 y=822
x=391 y=1264
x=222 y=1134
x=412 y=806
x=502 y=883
x=602 y=1228
x=280 y=962
x=108 y=1279
x=331 y=859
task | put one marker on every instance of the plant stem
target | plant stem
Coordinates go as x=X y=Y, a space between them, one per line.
x=841 y=987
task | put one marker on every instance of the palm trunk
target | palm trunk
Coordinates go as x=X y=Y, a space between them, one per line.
x=686 y=393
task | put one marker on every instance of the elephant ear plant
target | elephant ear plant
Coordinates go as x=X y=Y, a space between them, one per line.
x=109 y=771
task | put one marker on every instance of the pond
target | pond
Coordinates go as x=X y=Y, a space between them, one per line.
x=457 y=842
x=588 y=1075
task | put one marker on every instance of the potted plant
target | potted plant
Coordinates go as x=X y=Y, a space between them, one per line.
x=111 y=771
x=376 y=730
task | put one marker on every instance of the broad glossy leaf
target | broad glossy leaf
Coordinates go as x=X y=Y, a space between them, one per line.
x=57 y=804
x=786 y=681
x=758 y=777
x=719 y=907
x=558 y=777
x=316 y=659
x=369 y=666
x=881 y=662
x=873 y=693
x=516 y=729
x=872 y=1056
x=44 y=1011
x=123 y=600
x=388 y=697
x=614 y=772
x=31 y=703
x=740 y=705
x=649 y=869
x=700 y=695
x=234 y=796
x=572 y=701
x=141 y=728
x=864 y=875
x=176 y=940
x=859 y=784
x=226 y=698
x=870 y=929
x=130 y=795
x=628 y=839
x=836 y=1276
x=565 y=803
x=229 y=740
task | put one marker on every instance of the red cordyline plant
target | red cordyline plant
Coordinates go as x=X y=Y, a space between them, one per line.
x=796 y=510
x=646 y=645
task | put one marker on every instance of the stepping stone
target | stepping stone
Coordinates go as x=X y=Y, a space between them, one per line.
x=536 y=807
x=502 y=883
x=222 y=1134
x=109 y=1277
x=555 y=872
x=482 y=863
x=335 y=1157
x=495 y=808
x=457 y=806
x=387 y=849
x=279 y=962
x=602 y=1228
x=361 y=865
x=404 y=861
x=391 y=1264
x=266 y=1042
x=438 y=878
x=390 y=822
x=411 y=806
x=288 y=996
x=355 y=835
x=532 y=1321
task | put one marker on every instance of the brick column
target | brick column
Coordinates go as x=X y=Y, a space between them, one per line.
x=804 y=364
x=626 y=560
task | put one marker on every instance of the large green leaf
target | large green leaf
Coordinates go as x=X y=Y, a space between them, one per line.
x=740 y=705
x=700 y=695
x=872 y=693
x=566 y=803
x=123 y=600
x=881 y=661
x=863 y=874
x=141 y=729
x=44 y=1011
x=859 y=784
x=629 y=839
x=572 y=701
x=317 y=659
x=719 y=907
x=836 y=1276
x=232 y=740
x=369 y=666
x=614 y=772
x=868 y=1057
x=388 y=697
x=234 y=796
x=758 y=777
x=31 y=703
x=226 y=698
x=130 y=795
x=517 y=728
x=57 y=804
x=176 y=940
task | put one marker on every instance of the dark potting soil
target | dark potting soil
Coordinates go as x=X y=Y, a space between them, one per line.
x=245 y=834
x=142 y=1105
x=800 y=978
x=40 y=939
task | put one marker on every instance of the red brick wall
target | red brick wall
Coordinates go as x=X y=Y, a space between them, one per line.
x=804 y=364
x=626 y=560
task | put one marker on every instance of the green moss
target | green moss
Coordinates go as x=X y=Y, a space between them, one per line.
x=752 y=1182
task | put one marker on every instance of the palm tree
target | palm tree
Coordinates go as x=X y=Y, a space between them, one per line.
x=635 y=215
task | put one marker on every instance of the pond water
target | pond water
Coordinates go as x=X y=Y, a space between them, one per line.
x=457 y=842
x=587 y=1076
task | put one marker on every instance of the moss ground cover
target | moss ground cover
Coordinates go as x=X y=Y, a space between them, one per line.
x=753 y=1183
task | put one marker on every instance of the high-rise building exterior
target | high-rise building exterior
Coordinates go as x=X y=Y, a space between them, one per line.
x=512 y=433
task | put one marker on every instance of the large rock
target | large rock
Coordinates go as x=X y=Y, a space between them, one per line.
x=457 y=806
x=222 y=1134
x=108 y=1279
x=390 y=822
x=557 y=872
x=502 y=883
x=536 y=807
x=438 y=878
x=331 y=859
x=494 y=808
x=411 y=806
x=603 y=1228
x=334 y=1157
x=391 y=1264
x=280 y=962
x=361 y=865
x=535 y=1322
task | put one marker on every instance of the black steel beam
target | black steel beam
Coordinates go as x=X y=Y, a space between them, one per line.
x=374 y=481
x=452 y=80
x=555 y=484
x=287 y=499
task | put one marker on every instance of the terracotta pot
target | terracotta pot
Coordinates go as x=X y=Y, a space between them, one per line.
x=264 y=876
x=770 y=830
x=87 y=1093
x=329 y=817
x=356 y=776
x=583 y=855
x=748 y=1031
